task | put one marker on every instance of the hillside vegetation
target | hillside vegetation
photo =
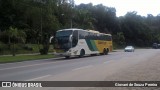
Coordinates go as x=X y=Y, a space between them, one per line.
x=34 y=21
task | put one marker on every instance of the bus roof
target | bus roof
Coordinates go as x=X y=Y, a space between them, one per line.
x=70 y=29
x=93 y=31
x=84 y=30
x=108 y=34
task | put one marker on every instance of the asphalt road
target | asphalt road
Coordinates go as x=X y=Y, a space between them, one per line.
x=30 y=70
x=143 y=64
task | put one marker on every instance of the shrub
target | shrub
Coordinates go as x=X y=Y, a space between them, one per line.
x=27 y=47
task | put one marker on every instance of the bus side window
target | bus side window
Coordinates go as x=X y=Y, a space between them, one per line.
x=83 y=35
x=75 y=38
x=110 y=38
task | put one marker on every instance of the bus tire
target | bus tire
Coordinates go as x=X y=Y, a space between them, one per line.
x=105 y=51
x=67 y=57
x=93 y=54
x=82 y=53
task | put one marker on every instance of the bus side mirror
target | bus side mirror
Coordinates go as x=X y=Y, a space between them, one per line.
x=70 y=38
x=50 y=40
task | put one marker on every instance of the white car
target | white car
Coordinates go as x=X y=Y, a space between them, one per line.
x=129 y=49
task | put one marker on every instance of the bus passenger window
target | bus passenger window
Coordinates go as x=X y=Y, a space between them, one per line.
x=75 y=38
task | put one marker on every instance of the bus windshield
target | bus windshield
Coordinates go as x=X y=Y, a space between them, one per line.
x=64 y=33
x=62 y=39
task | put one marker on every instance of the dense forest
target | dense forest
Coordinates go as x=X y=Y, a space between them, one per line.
x=34 y=21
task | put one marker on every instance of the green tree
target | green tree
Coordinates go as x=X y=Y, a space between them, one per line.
x=119 y=39
x=15 y=36
x=135 y=29
x=83 y=19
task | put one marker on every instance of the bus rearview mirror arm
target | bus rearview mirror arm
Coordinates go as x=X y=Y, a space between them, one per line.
x=50 y=40
x=70 y=39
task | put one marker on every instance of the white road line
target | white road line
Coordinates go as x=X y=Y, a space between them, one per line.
x=26 y=66
x=107 y=61
x=39 y=78
x=82 y=67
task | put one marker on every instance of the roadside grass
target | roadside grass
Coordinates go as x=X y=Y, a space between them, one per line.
x=7 y=49
x=9 y=59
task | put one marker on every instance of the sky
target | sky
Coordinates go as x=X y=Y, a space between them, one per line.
x=142 y=7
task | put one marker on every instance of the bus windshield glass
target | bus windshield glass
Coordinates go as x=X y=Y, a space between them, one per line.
x=62 y=39
x=64 y=33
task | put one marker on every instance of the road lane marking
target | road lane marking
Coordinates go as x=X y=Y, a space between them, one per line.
x=82 y=67
x=38 y=78
x=26 y=66
x=107 y=61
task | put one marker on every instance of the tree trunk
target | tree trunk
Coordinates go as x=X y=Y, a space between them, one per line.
x=13 y=53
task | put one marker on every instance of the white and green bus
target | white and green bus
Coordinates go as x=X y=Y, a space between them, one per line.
x=79 y=42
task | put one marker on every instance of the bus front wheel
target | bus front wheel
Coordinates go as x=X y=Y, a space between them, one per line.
x=82 y=53
x=67 y=57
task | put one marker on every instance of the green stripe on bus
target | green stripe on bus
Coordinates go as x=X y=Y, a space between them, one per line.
x=91 y=44
x=94 y=45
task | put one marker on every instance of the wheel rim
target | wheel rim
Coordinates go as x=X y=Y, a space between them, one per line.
x=104 y=52
x=82 y=53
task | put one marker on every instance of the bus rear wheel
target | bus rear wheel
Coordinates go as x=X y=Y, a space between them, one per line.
x=67 y=57
x=105 y=51
x=82 y=53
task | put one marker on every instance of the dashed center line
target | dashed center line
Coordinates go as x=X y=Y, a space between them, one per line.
x=82 y=67
x=106 y=62
x=39 y=78
x=26 y=66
